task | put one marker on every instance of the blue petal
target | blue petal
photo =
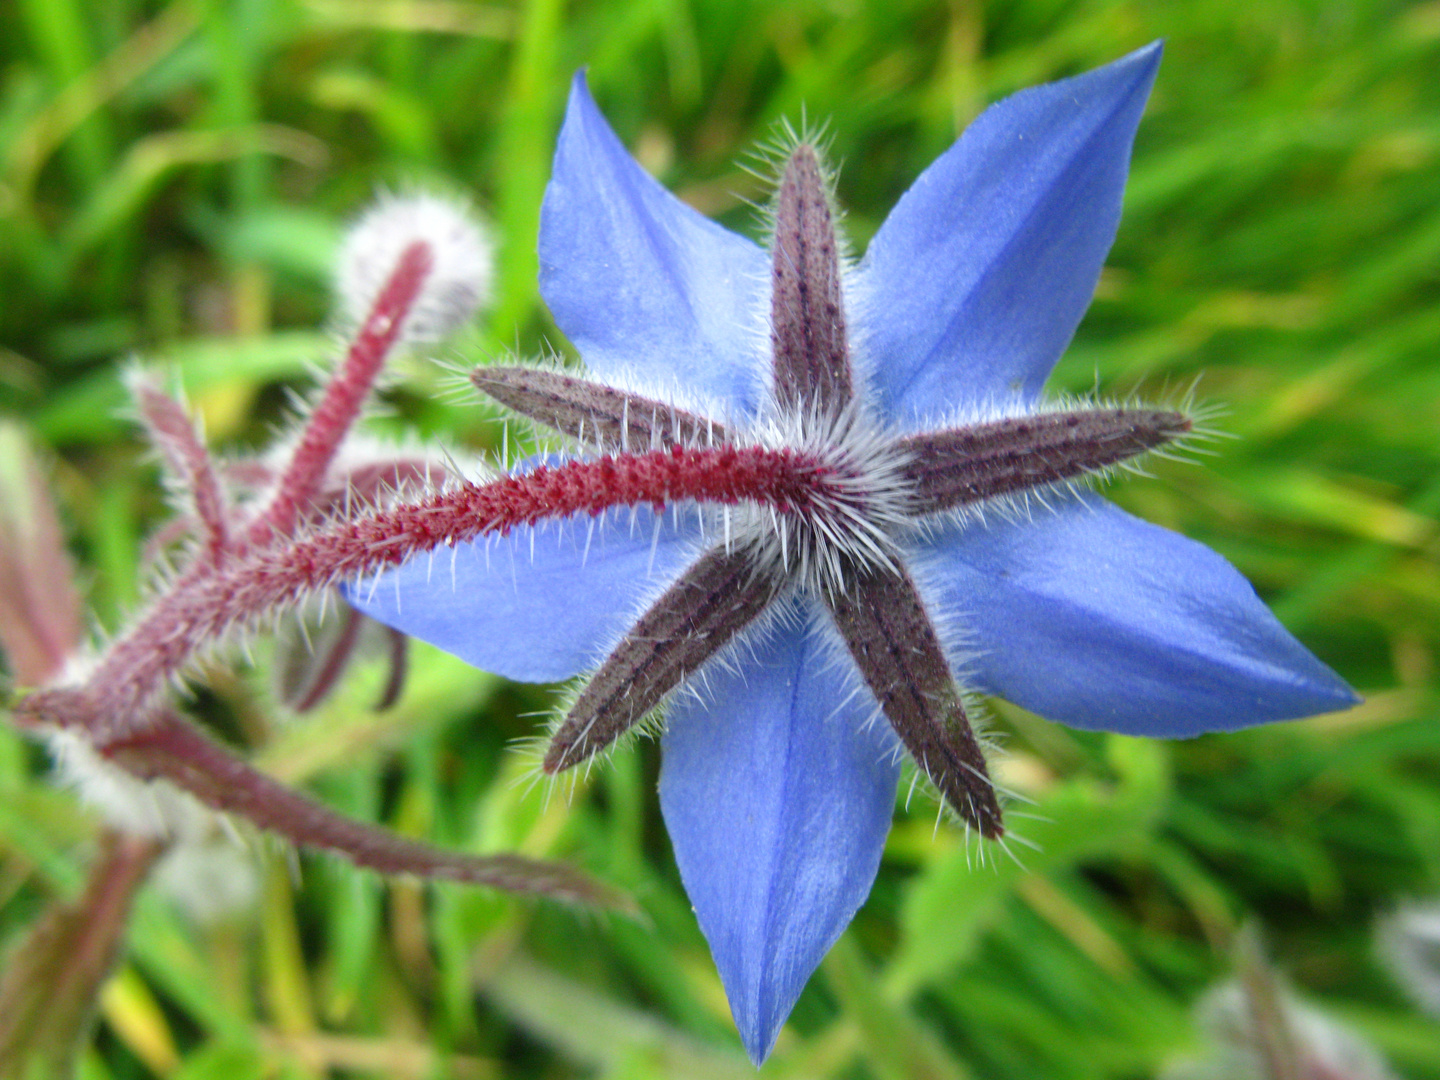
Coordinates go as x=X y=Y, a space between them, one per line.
x=1100 y=620
x=778 y=797
x=642 y=285
x=535 y=605
x=974 y=285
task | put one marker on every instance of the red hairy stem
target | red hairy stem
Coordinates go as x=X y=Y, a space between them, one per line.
x=120 y=695
x=174 y=435
x=340 y=405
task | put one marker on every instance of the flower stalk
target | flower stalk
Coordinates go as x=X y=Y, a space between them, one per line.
x=120 y=696
x=174 y=436
x=339 y=407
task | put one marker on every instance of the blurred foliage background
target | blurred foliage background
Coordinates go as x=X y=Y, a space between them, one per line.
x=173 y=181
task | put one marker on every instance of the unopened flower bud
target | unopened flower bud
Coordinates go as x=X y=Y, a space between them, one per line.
x=460 y=254
x=152 y=809
x=1409 y=944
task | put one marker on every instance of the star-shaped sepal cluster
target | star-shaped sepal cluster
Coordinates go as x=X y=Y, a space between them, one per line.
x=846 y=545
x=885 y=514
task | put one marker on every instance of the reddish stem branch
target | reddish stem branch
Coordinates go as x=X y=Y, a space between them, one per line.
x=340 y=405
x=179 y=752
x=328 y=660
x=173 y=433
x=120 y=695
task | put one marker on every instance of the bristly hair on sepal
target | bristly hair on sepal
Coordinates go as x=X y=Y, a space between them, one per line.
x=768 y=160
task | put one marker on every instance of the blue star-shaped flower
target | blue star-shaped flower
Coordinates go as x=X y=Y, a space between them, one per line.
x=778 y=641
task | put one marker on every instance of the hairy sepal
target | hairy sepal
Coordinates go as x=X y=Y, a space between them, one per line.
x=892 y=640
x=959 y=466
x=807 y=316
x=594 y=414
x=717 y=598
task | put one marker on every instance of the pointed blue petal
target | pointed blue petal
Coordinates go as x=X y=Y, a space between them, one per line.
x=645 y=287
x=540 y=604
x=1097 y=619
x=778 y=797
x=973 y=287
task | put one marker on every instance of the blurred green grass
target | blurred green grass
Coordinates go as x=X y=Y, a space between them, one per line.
x=172 y=182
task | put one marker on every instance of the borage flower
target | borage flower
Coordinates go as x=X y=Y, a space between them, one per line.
x=777 y=641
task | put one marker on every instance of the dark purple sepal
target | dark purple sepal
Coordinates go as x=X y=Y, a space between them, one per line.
x=807 y=315
x=697 y=616
x=955 y=466
x=591 y=412
x=885 y=626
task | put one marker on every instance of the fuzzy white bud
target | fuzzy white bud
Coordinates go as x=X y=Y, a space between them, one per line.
x=1322 y=1045
x=206 y=872
x=1409 y=944
x=210 y=878
x=462 y=263
x=154 y=809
